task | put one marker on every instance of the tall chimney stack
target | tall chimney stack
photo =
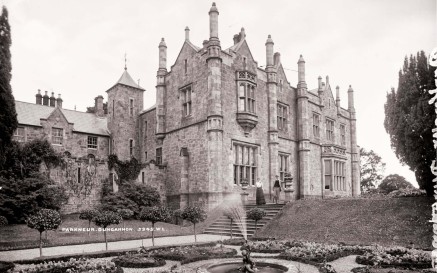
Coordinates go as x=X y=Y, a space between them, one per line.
x=59 y=101
x=45 y=99
x=38 y=97
x=98 y=106
x=52 y=100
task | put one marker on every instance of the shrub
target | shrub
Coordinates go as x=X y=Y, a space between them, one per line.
x=408 y=192
x=3 y=221
x=5 y=266
x=154 y=215
x=117 y=201
x=177 y=215
x=142 y=195
x=105 y=219
x=194 y=214
x=137 y=261
x=45 y=219
x=393 y=182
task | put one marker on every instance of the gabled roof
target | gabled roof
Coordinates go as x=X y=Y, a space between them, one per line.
x=127 y=80
x=31 y=114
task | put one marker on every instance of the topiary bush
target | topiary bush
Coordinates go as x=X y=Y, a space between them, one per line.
x=408 y=192
x=400 y=257
x=105 y=219
x=393 y=182
x=89 y=215
x=154 y=215
x=194 y=214
x=44 y=220
x=137 y=261
x=256 y=214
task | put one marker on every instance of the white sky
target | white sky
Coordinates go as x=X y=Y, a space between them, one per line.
x=76 y=47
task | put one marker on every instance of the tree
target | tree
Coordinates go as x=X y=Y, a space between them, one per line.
x=105 y=219
x=89 y=215
x=256 y=214
x=8 y=115
x=194 y=214
x=154 y=215
x=45 y=219
x=394 y=182
x=409 y=118
x=37 y=152
x=20 y=198
x=125 y=214
x=371 y=169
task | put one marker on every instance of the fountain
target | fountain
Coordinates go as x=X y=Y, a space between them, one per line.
x=235 y=268
x=235 y=209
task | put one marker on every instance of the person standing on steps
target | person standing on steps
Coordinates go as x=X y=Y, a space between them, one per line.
x=260 y=200
x=276 y=190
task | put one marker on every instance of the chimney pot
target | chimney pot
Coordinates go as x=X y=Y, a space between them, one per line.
x=59 y=101
x=45 y=99
x=38 y=97
x=98 y=106
x=52 y=100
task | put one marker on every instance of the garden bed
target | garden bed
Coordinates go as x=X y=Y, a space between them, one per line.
x=72 y=265
x=398 y=257
x=188 y=254
x=137 y=261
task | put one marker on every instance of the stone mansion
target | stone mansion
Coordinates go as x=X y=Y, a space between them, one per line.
x=219 y=119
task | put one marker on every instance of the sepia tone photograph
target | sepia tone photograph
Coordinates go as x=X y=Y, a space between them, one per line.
x=218 y=137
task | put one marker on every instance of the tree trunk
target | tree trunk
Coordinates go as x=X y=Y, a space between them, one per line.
x=89 y=227
x=195 y=237
x=153 y=234
x=106 y=241
x=40 y=244
x=231 y=228
x=46 y=235
x=255 y=225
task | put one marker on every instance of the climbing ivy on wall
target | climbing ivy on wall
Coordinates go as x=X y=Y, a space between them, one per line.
x=126 y=170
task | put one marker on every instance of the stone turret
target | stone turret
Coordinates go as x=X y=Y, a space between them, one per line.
x=304 y=189
x=354 y=147
x=160 y=90
x=215 y=114
x=272 y=86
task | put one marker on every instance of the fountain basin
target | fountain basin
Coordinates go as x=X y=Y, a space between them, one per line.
x=233 y=268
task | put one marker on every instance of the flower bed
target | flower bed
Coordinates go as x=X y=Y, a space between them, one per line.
x=316 y=253
x=137 y=261
x=73 y=266
x=188 y=254
x=396 y=257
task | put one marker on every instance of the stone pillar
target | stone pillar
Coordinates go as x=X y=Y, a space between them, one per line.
x=161 y=90
x=215 y=115
x=273 y=126
x=355 y=177
x=303 y=182
x=185 y=187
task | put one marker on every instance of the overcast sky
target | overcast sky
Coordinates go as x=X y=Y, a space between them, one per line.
x=77 y=47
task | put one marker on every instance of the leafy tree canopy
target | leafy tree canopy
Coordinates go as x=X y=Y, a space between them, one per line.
x=155 y=214
x=107 y=218
x=45 y=219
x=194 y=214
x=371 y=169
x=394 y=182
x=409 y=118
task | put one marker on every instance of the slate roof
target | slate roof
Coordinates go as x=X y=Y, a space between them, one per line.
x=127 y=80
x=30 y=114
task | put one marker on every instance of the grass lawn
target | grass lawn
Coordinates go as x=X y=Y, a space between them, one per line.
x=21 y=236
x=385 y=221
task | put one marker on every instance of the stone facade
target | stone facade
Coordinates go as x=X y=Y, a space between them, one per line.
x=220 y=120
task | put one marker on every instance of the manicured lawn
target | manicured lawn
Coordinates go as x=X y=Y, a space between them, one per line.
x=384 y=221
x=21 y=236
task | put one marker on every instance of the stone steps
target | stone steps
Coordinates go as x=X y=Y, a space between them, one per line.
x=222 y=226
